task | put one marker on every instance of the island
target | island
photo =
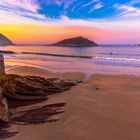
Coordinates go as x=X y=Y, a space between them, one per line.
x=4 y=41
x=76 y=41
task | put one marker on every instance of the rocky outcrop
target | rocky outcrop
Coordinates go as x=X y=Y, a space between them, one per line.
x=3 y=107
x=29 y=88
x=2 y=67
x=4 y=41
x=77 y=41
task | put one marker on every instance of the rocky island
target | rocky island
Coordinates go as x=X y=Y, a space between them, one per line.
x=4 y=41
x=76 y=41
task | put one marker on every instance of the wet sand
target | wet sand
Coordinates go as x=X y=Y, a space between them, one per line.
x=105 y=107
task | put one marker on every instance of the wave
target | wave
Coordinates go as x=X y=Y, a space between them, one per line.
x=117 y=58
x=112 y=63
x=88 y=57
x=59 y=55
x=56 y=56
x=42 y=59
x=123 y=54
x=111 y=58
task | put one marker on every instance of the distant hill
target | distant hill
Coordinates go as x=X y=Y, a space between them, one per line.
x=4 y=41
x=76 y=41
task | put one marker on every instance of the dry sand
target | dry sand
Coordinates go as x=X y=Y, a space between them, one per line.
x=105 y=107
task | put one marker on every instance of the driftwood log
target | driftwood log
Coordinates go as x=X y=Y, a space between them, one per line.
x=29 y=88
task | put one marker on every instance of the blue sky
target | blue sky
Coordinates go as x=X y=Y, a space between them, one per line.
x=73 y=9
x=86 y=9
x=89 y=9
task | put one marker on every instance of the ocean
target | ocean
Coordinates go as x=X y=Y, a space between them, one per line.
x=121 y=59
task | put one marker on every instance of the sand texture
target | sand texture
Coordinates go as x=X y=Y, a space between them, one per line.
x=105 y=107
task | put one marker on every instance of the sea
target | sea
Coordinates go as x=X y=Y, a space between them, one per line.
x=104 y=59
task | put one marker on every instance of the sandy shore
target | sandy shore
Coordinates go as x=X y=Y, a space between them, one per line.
x=106 y=107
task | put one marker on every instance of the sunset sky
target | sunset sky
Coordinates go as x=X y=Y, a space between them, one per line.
x=47 y=21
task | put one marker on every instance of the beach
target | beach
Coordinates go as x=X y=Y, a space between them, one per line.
x=69 y=70
x=103 y=107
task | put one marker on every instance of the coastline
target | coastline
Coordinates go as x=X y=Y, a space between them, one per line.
x=58 y=70
x=120 y=59
x=103 y=104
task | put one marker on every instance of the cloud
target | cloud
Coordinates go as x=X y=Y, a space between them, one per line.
x=27 y=11
x=30 y=5
x=96 y=6
x=112 y=25
x=89 y=3
x=19 y=11
x=57 y=2
x=66 y=3
x=127 y=10
x=133 y=2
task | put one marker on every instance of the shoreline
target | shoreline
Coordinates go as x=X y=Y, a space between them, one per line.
x=88 y=69
x=60 y=72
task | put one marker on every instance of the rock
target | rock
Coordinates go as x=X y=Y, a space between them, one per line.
x=77 y=41
x=29 y=88
x=2 y=67
x=3 y=108
x=4 y=41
